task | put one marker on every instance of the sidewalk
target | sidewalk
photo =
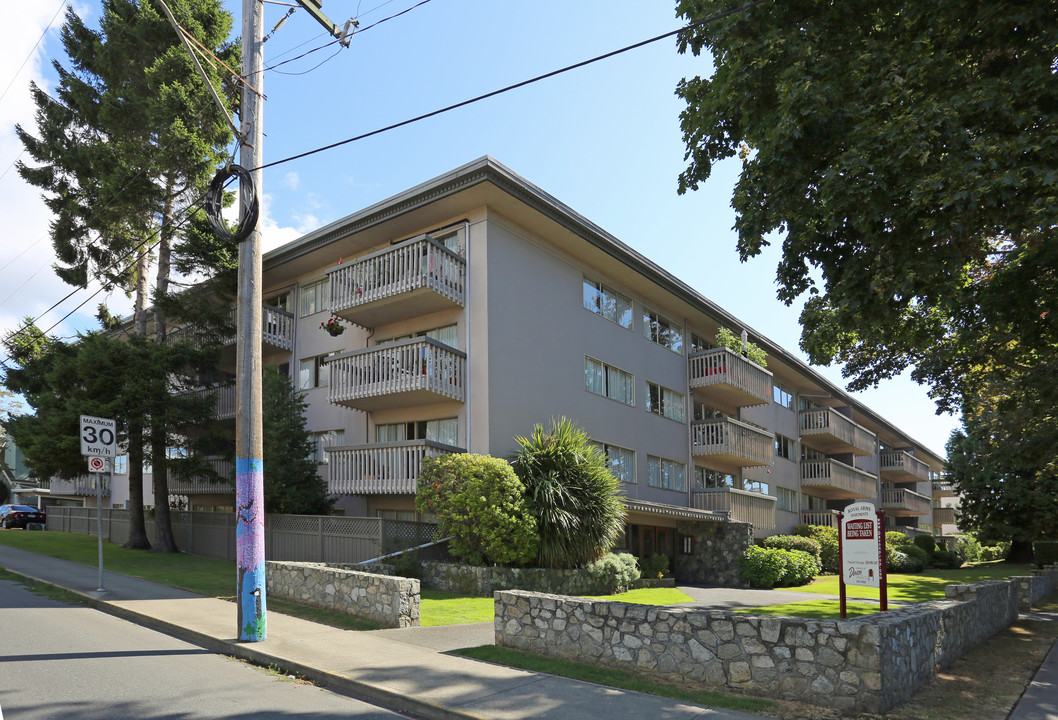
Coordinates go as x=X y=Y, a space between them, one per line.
x=376 y=666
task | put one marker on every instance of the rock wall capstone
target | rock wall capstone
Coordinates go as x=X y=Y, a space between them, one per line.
x=384 y=599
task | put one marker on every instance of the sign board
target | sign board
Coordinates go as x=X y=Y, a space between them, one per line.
x=98 y=436
x=96 y=464
x=861 y=546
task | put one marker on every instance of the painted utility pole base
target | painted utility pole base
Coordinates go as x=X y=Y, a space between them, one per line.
x=250 y=549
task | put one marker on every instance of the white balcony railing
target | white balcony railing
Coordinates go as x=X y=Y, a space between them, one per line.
x=406 y=280
x=407 y=372
x=904 y=502
x=740 y=505
x=391 y=468
x=820 y=517
x=201 y=486
x=943 y=516
x=902 y=466
x=836 y=480
x=732 y=443
x=225 y=400
x=726 y=378
x=829 y=431
x=81 y=486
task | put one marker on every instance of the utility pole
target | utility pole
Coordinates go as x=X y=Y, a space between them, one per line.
x=249 y=446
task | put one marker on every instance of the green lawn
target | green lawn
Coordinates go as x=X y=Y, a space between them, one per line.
x=815 y=609
x=917 y=587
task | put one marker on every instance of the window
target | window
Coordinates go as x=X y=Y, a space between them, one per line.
x=443 y=431
x=121 y=465
x=666 y=474
x=710 y=479
x=325 y=439
x=782 y=395
x=784 y=447
x=662 y=331
x=282 y=302
x=786 y=500
x=315 y=297
x=700 y=344
x=808 y=454
x=622 y=462
x=607 y=302
x=608 y=381
x=704 y=412
x=314 y=372
x=447 y=334
x=665 y=402
x=755 y=486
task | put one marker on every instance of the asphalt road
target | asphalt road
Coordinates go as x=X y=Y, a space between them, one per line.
x=59 y=661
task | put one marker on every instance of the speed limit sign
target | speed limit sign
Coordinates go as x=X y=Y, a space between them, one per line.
x=96 y=464
x=98 y=436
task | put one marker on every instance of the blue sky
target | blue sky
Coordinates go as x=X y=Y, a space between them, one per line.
x=603 y=139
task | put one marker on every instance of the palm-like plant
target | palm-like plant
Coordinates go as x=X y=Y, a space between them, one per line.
x=574 y=496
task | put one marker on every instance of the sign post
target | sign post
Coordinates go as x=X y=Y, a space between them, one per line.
x=98 y=441
x=861 y=550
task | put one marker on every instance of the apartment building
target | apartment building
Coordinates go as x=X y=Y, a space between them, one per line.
x=476 y=305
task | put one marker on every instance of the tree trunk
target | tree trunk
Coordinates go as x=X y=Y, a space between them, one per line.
x=1020 y=552
x=163 y=537
x=137 y=527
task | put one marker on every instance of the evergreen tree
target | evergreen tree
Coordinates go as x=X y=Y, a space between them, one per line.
x=124 y=151
x=292 y=484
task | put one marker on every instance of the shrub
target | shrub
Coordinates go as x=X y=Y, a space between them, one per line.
x=946 y=560
x=615 y=571
x=768 y=567
x=480 y=503
x=968 y=547
x=571 y=492
x=896 y=539
x=920 y=556
x=995 y=552
x=926 y=542
x=763 y=567
x=407 y=564
x=827 y=537
x=792 y=542
x=655 y=566
x=801 y=568
x=901 y=562
x=1045 y=552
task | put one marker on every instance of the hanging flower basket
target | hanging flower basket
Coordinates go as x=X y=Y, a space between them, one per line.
x=333 y=326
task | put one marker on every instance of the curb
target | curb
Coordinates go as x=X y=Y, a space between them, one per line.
x=383 y=697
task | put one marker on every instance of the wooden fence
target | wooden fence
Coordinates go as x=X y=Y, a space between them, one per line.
x=297 y=538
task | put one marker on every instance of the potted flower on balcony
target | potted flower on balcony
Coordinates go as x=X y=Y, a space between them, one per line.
x=333 y=326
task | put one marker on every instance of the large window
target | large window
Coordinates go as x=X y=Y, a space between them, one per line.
x=315 y=297
x=622 y=462
x=785 y=447
x=447 y=334
x=314 y=372
x=700 y=344
x=666 y=474
x=786 y=500
x=325 y=439
x=782 y=395
x=444 y=431
x=607 y=302
x=662 y=331
x=121 y=465
x=711 y=479
x=608 y=381
x=704 y=412
x=665 y=402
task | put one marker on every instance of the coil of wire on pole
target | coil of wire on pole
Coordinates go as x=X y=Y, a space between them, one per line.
x=215 y=204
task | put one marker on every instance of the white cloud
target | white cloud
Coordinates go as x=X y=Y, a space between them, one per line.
x=272 y=234
x=291 y=180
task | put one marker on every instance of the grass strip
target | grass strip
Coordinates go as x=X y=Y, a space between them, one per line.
x=917 y=587
x=615 y=678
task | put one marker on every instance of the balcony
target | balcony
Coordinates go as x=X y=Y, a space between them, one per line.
x=277 y=335
x=723 y=377
x=417 y=371
x=826 y=518
x=202 y=486
x=728 y=445
x=405 y=281
x=898 y=466
x=944 y=516
x=80 y=486
x=944 y=488
x=830 y=432
x=224 y=400
x=390 y=468
x=741 y=505
x=836 y=481
x=901 y=502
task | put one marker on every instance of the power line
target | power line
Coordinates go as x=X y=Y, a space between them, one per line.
x=35 y=45
x=515 y=86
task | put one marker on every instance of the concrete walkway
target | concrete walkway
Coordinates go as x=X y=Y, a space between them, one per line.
x=398 y=669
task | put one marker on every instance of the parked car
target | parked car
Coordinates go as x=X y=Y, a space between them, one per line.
x=18 y=516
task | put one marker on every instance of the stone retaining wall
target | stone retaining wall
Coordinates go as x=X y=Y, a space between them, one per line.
x=865 y=664
x=386 y=600
x=1033 y=589
x=717 y=549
